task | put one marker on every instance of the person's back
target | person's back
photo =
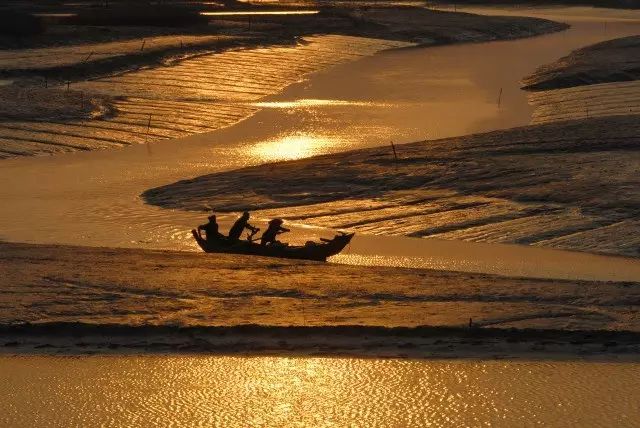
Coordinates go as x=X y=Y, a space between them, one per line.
x=241 y=224
x=269 y=235
x=238 y=227
x=274 y=229
x=211 y=229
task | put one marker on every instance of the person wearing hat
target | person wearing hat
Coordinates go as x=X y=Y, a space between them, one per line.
x=211 y=229
x=240 y=225
x=275 y=228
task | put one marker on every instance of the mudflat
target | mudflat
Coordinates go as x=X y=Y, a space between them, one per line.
x=567 y=185
x=76 y=299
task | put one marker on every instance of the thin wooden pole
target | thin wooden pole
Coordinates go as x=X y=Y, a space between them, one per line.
x=148 y=127
x=395 y=154
x=146 y=137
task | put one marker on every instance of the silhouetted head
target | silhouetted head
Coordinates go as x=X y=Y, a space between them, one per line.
x=246 y=214
x=276 y=221
x=212 y=218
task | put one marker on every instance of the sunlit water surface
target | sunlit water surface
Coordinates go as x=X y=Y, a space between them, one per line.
x=313 y=392
x=401 y=95
x=261 y=13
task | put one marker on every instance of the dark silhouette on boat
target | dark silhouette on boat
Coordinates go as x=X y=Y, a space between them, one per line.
x=318 y=251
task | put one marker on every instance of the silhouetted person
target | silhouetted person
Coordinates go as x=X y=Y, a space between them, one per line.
x=275 y=228
x=211 y=229
x=240 y=225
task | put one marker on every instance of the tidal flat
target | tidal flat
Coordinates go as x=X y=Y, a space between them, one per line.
x=210 y=74
x=70 y=299
x=473 y=313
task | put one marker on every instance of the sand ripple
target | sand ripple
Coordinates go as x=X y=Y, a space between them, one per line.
x=192 y=96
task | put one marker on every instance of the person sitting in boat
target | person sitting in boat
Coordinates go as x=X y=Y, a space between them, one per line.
x=240 y=225
x=211 y=229
x=275 y=228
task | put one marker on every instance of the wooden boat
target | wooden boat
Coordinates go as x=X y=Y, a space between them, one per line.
x=319 y=251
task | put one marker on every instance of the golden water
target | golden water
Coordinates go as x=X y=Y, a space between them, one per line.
x=261 y=13
x=163 y=391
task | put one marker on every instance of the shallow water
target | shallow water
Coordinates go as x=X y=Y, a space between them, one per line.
x=262 y=12
x=278 y=391
x=402 y=95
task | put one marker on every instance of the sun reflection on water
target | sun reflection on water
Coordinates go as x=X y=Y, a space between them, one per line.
x=312 y=102
x=293 y=146
x=261 y=12
x=190 y=391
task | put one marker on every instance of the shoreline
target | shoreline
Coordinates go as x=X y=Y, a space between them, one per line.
x=422 y=343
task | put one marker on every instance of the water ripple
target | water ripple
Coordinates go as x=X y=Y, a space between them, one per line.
x=313 y=392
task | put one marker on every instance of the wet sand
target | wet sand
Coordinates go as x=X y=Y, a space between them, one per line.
x=566 y=185
x=611 y=61
x=83 y=300
x=597 y=81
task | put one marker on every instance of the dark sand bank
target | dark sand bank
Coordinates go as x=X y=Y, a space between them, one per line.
x=621 y=4
x=59 y=298
x=82 y=60
x=569 y=185
x=408 y=24
x=600 y=80
x=57 y=104
x=611 y=61
x=57 y=35
x=425 y=26
x=355 y=341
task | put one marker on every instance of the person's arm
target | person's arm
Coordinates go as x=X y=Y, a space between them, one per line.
x=282 y=230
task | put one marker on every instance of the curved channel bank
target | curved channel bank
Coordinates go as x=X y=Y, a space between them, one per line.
x=403 y=95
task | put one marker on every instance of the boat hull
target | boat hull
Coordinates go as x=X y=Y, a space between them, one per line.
x=317 y=251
